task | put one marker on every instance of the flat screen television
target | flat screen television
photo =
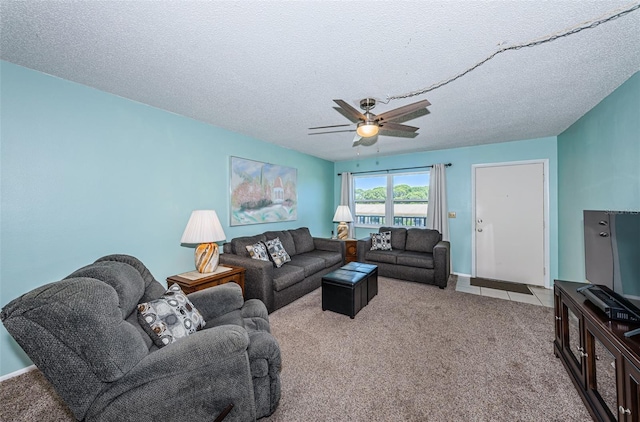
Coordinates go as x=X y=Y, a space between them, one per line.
x=612 y=251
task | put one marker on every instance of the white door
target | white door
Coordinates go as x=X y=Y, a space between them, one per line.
x=509 y=222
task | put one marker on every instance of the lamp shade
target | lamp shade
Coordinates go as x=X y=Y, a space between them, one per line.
x=203 y=227
x=343 y=214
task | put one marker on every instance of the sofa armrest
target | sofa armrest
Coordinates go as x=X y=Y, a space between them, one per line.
x=331 y=245
x=364 y=245
x=441 y=263
x=217 y=300
x=258 y=277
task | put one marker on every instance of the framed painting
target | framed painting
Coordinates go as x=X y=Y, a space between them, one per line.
x=262 y=192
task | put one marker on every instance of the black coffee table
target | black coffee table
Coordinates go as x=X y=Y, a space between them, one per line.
x=350 y=288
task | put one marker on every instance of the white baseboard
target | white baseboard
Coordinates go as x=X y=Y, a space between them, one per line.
x=16 y=373
x=462 y=274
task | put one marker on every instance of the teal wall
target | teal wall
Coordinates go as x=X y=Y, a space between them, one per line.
x=86 y=174
x=598 y=169
x=459 y=186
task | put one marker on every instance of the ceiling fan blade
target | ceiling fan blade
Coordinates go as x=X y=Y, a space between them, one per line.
x=366 y=142
x=418 y=113
x=350 y=111
x=401 y=111
x=331 y=131
x=325 y=127
x=388 y=126
x=398 y=133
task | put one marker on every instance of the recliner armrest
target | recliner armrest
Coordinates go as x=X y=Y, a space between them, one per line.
x=185 y=380
x=218 y=300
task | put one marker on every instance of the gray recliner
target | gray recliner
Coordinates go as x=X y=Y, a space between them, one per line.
x=83 y=333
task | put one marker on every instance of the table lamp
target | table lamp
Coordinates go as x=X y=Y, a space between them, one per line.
x=343 y=216
x=204 y=229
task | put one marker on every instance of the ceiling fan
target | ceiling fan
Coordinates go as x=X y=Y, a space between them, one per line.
x=369 y=125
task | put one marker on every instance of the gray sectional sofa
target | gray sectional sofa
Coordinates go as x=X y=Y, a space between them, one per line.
x=311 y=258
x=416 y=255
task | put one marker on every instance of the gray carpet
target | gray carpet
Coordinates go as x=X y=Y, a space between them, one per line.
x=415 y=353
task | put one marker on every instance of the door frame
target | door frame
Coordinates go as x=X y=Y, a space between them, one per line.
x=545 y=198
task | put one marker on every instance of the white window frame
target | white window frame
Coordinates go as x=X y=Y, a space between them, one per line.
x=389 y=202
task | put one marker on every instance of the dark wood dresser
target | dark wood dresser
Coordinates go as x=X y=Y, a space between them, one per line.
x=602 y=363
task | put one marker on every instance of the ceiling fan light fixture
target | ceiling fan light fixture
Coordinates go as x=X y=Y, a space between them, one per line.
x=367 y=129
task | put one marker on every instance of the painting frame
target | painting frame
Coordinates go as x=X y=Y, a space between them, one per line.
x=261 y=192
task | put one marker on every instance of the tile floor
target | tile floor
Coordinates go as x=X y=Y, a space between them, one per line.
x=540 y=296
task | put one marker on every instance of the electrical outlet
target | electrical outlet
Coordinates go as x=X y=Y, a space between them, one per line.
x=452 y=214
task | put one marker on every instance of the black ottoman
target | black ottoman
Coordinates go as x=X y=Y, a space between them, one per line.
x=344 y=292
x=372 y=276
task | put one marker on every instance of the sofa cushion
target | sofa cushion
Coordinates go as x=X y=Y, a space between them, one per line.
x=285 y=238
x=258 y=251
x=416 y=259
x=302 y=239
x=330 y=258
x=398 y=236
x=239 y=244
x=381 y=241
x=390 y=257
x=310 y=264
x=422 y=240
x=170 y=317
x=287 y=276
x=277 y=252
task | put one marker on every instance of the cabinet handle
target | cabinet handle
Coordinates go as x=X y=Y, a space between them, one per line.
x=558 y=318
x=624 y=411
x=583 y=354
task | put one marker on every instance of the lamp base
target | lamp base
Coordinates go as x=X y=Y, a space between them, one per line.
x=343 y=230
x=207 y=257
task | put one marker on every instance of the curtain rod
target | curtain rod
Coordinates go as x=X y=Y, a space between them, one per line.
x=388 y=170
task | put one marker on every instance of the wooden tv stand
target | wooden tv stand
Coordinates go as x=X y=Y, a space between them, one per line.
x=602 y=363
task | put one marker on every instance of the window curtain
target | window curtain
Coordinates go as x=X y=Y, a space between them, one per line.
x=437 y=211
x=346 y=198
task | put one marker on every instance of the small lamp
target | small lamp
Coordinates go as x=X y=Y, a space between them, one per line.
x=343 y=216
x=204 y=229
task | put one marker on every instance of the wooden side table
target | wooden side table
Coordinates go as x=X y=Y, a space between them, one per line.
x=194 y=281
x=351 y=250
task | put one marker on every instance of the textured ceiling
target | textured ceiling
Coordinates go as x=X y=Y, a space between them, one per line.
x=271 y=69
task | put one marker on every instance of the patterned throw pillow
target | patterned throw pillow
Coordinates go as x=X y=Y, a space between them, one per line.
x=381 y=241
x=170 y=317
x=278 y=255
x=258 y=251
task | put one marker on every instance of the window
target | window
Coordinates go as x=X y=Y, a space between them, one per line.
x=399 y=199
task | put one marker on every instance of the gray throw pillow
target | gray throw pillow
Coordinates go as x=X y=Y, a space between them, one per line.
x=381 y=241
x=277 y=252
x=258 y=251
x=169 y=317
